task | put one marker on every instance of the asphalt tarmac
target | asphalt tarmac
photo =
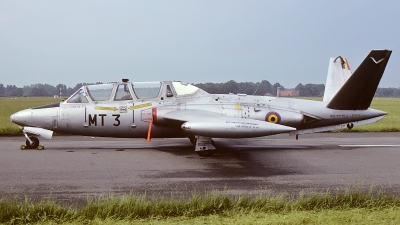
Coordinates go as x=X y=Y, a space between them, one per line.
x=71 y=168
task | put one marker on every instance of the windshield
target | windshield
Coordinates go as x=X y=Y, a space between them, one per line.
x=145 y=90
x=123 y=93
x=184 y=88
x=78 y=97
x=100 y=92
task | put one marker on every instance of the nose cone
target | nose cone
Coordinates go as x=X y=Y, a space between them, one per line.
x=36 y=117
x=21 y=117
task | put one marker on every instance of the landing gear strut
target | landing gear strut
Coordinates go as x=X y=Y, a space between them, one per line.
x=205 y=146
x=193 y=140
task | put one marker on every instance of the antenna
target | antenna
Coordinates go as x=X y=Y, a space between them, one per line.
x=257 y=88
x=259 y=85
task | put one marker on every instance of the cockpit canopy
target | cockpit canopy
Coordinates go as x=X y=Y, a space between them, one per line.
x=133 y=91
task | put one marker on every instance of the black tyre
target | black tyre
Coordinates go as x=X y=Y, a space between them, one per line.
x=206 y=153
x=35 y=143
x=350 y=126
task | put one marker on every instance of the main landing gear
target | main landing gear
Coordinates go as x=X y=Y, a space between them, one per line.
x=31 y=143
x=350 y=126
x=204 y=146
x=206 y=153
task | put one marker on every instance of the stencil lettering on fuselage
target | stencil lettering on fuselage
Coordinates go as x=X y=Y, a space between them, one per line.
x=146 y=115
x=93 y=119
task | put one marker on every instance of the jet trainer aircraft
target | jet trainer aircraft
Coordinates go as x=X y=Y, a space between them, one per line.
x=175 y=109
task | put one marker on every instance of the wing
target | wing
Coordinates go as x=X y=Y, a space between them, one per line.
x=210 y=124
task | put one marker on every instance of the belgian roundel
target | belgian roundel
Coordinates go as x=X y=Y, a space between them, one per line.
x=273 y=117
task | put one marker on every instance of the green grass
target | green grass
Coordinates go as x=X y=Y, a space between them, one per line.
x=353 y=206
x=390 y=123
x=352 y=216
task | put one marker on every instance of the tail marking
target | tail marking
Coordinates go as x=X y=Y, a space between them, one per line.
x=377 y=62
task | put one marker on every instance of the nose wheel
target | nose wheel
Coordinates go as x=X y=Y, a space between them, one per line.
x=32 y=144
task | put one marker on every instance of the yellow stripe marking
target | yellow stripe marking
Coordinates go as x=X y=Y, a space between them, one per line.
x=105 y=108
x=238 y=107
x=140 y=106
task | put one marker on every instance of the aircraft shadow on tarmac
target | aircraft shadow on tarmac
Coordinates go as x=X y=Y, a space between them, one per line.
x=244 y=157
x=233 y=159
x=187 y=150
x=240 y=161
x=235 y=164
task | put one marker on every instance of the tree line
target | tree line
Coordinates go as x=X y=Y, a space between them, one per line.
x=266 y=88
x=259 y=88
x=39 y=90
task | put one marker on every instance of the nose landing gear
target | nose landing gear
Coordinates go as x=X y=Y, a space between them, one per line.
x=32 y=143
x=31 y=134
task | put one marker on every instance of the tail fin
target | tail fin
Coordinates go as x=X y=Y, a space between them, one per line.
x=338 y=73
x=358 y=91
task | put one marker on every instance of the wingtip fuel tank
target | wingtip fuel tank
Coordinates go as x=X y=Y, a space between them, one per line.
x=234 y=128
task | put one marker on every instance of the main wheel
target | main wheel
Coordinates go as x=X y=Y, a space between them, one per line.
x=350 y=125
x=35 y=143
x=207 y=153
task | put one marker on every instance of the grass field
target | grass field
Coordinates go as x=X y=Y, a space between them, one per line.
x=351 y=207
x=388 y=124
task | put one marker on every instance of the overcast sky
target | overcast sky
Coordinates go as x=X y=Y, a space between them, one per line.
x=289 y=42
